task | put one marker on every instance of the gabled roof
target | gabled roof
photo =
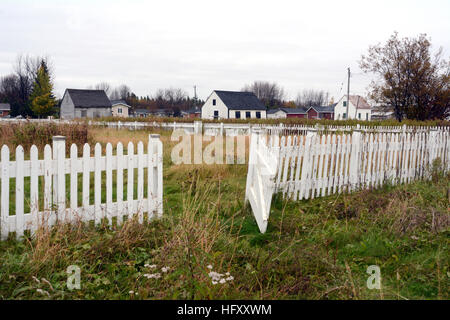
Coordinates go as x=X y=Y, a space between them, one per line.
x=237 y=100
x=323 y=109
x=83 y=98
x=294 y=110
x=114 y=102
x=359 y=102
x=5 y=107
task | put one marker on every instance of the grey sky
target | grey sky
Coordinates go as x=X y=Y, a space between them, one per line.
x=212 y=44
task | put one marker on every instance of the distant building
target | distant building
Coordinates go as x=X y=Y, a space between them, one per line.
x=81 y=103
x=192 y=113
x=120 y=108
x=5 y=109
x=141 y=113
x=322 y=112
x=358 y=108
x=281 y=113
x=233 y=105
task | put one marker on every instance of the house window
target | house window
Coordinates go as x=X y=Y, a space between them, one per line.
x=238 y=114
x=214 y=102
x=258 y=115
x=359 y=115
x=344 y=116
x=216 y=114
x=119 y=110
x=367 y=116
x=83 y=113
x=345 y=103
x=247 y=115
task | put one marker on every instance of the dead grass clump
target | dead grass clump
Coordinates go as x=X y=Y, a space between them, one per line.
x=410 y=219
x=40 y=134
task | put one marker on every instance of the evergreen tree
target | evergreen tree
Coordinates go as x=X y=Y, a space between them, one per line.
x=42 y=99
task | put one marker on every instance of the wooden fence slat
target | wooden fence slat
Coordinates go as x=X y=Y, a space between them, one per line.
x=130 y=184
x=109 y=183
x=120 y=166
x=86 y=181
x=97 y=184
x=74 y=182
x=34 y=189
x=140 y=181
x=19 y=192
x=4 y=212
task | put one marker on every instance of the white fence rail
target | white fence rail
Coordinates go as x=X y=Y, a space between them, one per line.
x=315 y=165
x=48 y=200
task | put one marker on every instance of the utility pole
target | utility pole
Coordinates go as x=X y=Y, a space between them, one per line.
x=195 y=93
x=348 y=93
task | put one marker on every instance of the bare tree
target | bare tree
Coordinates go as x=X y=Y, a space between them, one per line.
x=311 y=97
x=123 y=91
x=410 y=81
x=105 y=86
x=270 y=93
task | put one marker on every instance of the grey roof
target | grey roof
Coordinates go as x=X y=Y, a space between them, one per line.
x=237 y=100
x=288 y=110
x=294 y=110
x=323 y=109
x=5 y=107
x=113 y=102
x=89 y=98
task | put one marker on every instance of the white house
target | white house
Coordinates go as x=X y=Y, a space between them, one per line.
x=233 y=105
x=120 y=108
x=358 y=109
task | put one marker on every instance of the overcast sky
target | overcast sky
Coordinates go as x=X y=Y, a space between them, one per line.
x=211 y=44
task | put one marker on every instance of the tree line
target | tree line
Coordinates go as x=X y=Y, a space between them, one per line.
x=29 y=89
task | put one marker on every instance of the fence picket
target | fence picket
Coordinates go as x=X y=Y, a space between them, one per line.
x=34 y=191
x=19 y=227
x=119 y=179
x=4 y=212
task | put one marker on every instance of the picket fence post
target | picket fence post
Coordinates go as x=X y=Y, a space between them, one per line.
x=155 y=152
x=198 y=127
x=254 y=140
x=432 y=142
x=59 y=179
x=354 y=160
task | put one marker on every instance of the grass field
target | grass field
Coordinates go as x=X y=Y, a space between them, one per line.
x=313 y=249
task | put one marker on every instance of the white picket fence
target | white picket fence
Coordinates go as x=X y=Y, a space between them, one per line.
x=315 y=165
x=49 y=192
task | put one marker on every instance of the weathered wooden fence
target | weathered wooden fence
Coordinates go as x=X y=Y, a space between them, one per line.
x=41 y=185
x=315 y=164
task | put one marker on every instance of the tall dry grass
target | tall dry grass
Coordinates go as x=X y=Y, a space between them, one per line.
x=40 y=134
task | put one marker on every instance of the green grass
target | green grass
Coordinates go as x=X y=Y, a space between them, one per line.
x=313 y=249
